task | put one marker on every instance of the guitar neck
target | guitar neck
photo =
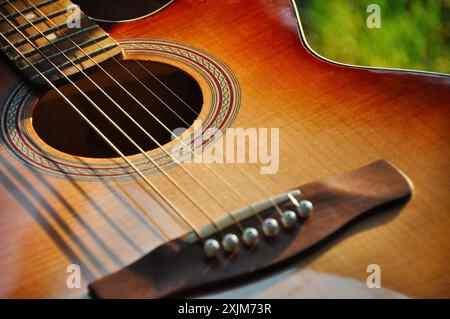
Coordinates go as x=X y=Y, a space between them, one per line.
x=54 y=36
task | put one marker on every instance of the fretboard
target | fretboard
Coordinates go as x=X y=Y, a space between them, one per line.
x=54 y=30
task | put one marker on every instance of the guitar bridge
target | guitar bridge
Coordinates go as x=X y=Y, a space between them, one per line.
x=180 y=265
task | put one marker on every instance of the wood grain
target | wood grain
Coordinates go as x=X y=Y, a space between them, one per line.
x=331 y=119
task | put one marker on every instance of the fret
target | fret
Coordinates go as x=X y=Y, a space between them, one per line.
x=50 y=43
x=69 y=50
x=27 y=9
x=50 y=39
x=38 y=35
x=45 y=32
x=76 y=61
x=28 y=24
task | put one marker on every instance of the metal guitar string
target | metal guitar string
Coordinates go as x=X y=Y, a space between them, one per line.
x=261 y=189
x=202 y=210
x=111 y=144
x=204 y=188
x=157 y=119
x=142 y=151
x=162 y=124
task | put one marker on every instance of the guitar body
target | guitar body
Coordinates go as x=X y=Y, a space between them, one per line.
x=332 y=119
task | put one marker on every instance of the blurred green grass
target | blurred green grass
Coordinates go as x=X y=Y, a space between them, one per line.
x=414 y=34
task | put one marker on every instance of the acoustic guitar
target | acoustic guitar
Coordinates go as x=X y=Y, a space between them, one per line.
x=112 y=135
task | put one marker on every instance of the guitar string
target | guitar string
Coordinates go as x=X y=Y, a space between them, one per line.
x=135 y=122
x=217 y=227
x=241 y=171
x=160 y=122
x=137 y=205
x=200 y=208
x=167 y=106
x=111 y=144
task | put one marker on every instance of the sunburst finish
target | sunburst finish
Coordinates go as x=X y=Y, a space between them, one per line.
x=332 y=119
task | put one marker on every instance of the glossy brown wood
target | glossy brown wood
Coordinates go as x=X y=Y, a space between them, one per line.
x=177 y=266
x=331 y=119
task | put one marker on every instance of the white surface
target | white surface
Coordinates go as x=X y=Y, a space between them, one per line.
x=306 y=284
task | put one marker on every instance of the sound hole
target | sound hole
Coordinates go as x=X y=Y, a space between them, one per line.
x=61 y=127
x=117 y=11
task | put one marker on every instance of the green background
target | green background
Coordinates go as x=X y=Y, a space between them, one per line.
x=414 y=34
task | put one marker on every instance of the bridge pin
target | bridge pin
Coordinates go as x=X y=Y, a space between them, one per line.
x=304 y=208
x=211 y=247
x=289 y=218
x=270 y=227
x=250 y=236
x=230 y=242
